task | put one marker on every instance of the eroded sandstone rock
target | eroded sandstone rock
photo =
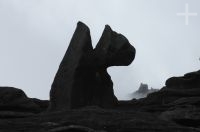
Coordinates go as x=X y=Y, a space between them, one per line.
x=82 y=77
x=69 y=89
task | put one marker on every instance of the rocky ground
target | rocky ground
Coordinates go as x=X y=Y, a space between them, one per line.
x=176 y=107
x=96 y=119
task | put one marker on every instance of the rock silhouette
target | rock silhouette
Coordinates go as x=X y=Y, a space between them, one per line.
x=143 y=88
x=82 y=80
x=177 y=88
x=143 y=91
x=82 y=77
x=14 y=99
x=189 y=80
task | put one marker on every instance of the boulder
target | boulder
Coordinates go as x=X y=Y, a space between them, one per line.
x=82 y=78
x=13 y=99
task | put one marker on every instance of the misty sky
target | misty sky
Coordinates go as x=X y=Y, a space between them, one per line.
x=34 y=35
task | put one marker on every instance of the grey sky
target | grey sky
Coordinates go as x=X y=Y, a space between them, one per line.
x=34 y=35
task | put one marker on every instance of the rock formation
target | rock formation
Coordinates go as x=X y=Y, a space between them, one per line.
x=188 y=81
x=82 y=80
x=82 y=77
x=177 y=88
x=143 y=91
x=13 y=99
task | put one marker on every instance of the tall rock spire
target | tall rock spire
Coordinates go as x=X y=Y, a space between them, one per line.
x=82 y=78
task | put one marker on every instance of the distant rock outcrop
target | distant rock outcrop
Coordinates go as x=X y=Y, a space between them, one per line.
x=82 y=77
x=143 y=91
x=176 y=88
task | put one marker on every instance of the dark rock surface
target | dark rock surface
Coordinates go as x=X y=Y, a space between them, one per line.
x=97 y=119
x=188 y=81
x=13 y=99
x=82 y=78
x=73 y=128
x=178 y=101
x=70 y=86
x=113 y=49
x=177 y=88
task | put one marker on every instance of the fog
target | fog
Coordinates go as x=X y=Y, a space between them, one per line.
x=34 y=35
